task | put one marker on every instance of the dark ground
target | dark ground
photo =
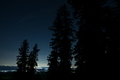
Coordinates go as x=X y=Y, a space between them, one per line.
x=23 y=76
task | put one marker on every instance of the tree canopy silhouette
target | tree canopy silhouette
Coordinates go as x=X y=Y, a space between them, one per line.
x=23 y=56
x=27 y=62
x=90 y=48
x=32 y=58
x=59 y=60
x=113 y=33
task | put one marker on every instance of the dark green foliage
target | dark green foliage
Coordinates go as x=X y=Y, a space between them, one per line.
x=59 y=60
x=22 y=57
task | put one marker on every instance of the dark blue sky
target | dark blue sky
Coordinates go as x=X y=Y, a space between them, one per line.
x=26 y=19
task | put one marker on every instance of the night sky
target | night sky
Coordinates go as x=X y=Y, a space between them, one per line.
x=26 y=19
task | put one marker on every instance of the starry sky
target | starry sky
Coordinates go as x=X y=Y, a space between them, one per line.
x=26 y=19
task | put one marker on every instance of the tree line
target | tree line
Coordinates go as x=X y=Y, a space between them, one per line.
x=27 y=62
x=97 y=40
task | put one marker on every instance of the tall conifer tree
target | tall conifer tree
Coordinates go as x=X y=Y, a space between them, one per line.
x=113 y=50
x=90 y=48
x=33 y=58
x=23 y=56
x=61 y=55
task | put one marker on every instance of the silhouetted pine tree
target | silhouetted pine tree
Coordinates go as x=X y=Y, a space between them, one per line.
x=61 y=55
x=32 y=59
x=90 y=48
x=23 y=56
x=65 y=47
x=113 y=50
x=53 y=57
x=107 y=21
x=53 y=65
x=117 y=36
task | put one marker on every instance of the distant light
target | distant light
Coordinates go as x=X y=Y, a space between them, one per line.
x=4 y=71
x=7 y=70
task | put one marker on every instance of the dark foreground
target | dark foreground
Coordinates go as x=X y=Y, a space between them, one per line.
x=23 y=76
